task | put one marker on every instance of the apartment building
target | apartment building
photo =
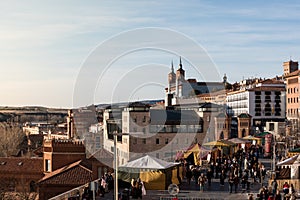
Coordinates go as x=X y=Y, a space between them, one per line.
x=292 y=79
x=264 y=100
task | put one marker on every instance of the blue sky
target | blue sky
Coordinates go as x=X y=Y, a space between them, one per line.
x=45 y=44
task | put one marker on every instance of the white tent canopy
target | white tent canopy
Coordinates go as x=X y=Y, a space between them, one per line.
x=156 y=174
x=293 y=163
x=148 y=162
x=290 y=161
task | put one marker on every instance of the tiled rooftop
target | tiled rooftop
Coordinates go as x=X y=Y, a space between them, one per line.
x=16 y=164
x=74 y=174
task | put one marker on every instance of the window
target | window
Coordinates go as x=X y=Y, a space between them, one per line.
x=144 y=141
x=271 y=127
x=134 y=141
x=47 y=165
x=167 y=141
x=157 y=140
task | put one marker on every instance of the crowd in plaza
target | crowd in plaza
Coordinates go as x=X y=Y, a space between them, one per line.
x=240 y=170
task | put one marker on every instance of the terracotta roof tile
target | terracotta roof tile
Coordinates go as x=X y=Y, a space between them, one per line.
x=73 y=174
x=266 y=88
x=25 y=165
x=295 y=73
x=272 y=81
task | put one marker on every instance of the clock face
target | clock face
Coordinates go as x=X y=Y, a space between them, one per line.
x=173 y=189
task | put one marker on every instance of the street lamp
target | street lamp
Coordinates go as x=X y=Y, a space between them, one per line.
x=116 y=134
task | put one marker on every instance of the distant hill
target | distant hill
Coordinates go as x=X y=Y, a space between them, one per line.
x=124 y=104
x=32 y=113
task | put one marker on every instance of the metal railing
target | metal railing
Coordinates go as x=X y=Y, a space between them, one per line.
x=188 y=198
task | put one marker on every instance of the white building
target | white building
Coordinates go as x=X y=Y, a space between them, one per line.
x=264 y=101
x=180 y=89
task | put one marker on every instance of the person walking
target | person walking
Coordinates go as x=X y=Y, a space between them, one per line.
x=236 y=182
x=244 y=181
x=201 y=182
x=230 y=181
x=277 y=195
x=274 y=186
x=189 y=176
x=222 y=178
x=292 y=191
x=209 y=176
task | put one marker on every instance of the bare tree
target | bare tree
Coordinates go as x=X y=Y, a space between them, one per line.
x=11 y=138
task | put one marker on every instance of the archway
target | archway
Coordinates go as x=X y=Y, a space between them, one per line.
x=222 y=136
x=243 y=133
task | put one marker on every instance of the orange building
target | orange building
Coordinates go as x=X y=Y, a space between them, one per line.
x=292 y=92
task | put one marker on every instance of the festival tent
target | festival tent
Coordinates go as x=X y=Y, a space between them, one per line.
x=225 y=146
x=155 y=173
x=253 y=139
x=196 y=152
x=293 y=163
x=239 y=140
x=220 y=143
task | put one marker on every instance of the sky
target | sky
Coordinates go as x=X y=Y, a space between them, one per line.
x=52 y=53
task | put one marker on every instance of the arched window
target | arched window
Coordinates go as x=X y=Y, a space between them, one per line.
x=243 y=133
x=222 y=136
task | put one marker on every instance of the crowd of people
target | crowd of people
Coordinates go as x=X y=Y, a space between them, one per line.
x=240 y=170
x=137 y=189
x=273 y=192
x=103 y=185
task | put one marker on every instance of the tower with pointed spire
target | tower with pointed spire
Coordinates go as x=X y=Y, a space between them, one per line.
x=180 y=73
x=171 y=76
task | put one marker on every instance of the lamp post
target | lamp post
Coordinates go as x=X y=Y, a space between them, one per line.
x=116 y=134
x=116 y=166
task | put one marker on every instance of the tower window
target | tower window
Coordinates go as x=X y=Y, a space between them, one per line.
x=47 y=165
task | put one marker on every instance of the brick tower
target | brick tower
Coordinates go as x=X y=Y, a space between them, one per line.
x=58 y=153
x=244 y=125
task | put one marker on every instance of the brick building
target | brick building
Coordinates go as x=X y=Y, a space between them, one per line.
x=58 y=153
x=20 y=174
x=66 y=167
